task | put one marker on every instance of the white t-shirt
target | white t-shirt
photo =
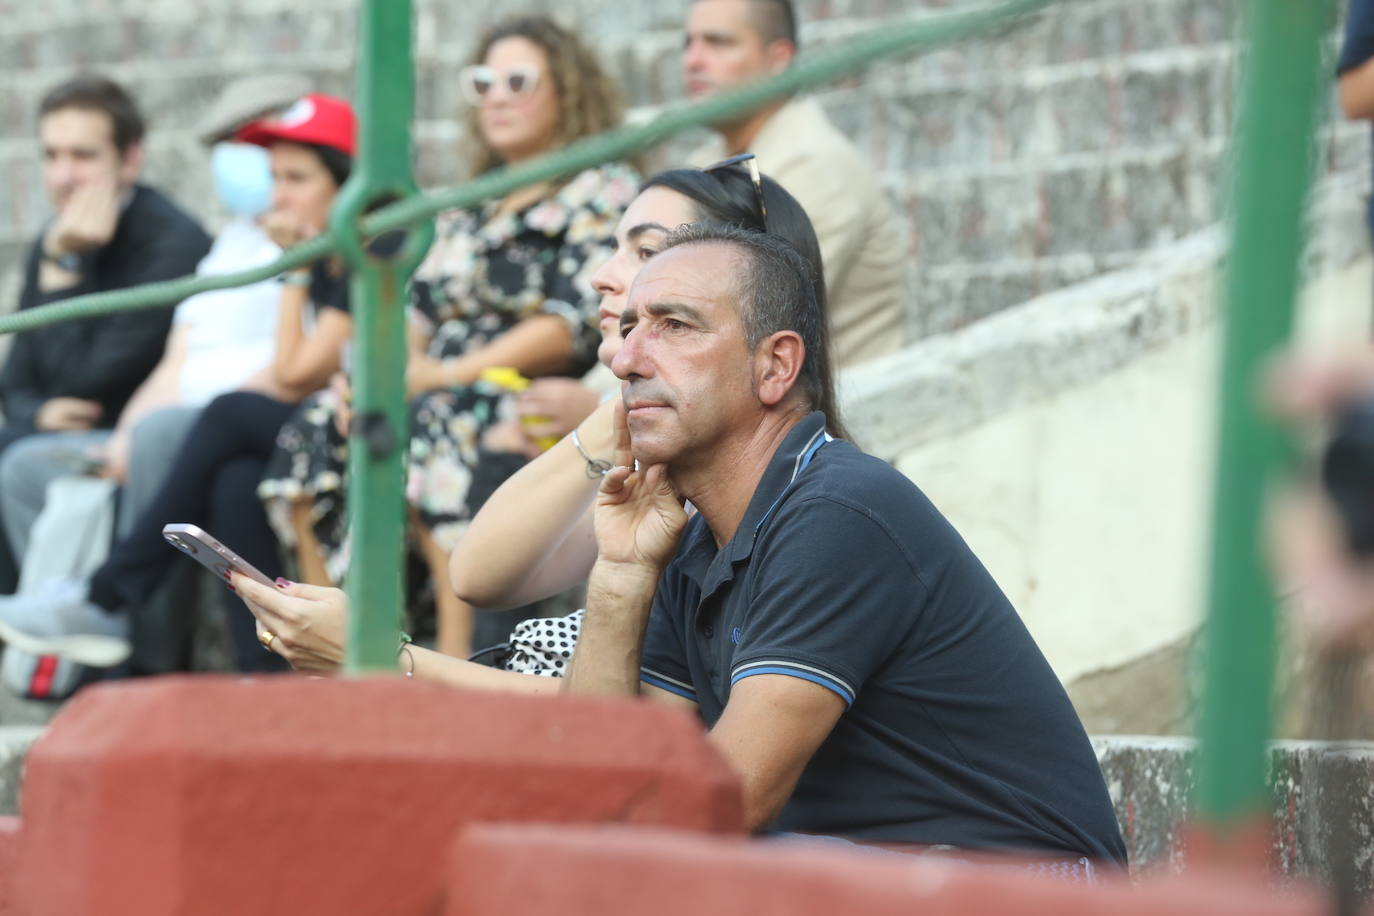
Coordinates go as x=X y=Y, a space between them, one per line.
x=232 y=333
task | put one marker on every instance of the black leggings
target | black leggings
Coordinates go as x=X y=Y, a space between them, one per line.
x=213 y=483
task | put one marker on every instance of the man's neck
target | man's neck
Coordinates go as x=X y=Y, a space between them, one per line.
x=740 y=136
x=722 y=485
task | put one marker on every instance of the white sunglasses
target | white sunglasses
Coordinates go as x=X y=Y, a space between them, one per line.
x=479 y=80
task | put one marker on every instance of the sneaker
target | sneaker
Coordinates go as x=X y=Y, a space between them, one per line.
x=59 y=619
x=39 y=677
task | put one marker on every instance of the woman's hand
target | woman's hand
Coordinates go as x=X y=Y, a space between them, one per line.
x=308 y=622
x=112 y=457
x=287 y=229
x=555 y=406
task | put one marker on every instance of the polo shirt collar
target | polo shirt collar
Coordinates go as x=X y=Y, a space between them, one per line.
x=711 y=568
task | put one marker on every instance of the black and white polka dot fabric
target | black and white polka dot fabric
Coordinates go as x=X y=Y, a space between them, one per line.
x=544 y=645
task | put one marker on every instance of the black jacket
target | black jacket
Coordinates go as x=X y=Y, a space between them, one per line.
x=103 y=359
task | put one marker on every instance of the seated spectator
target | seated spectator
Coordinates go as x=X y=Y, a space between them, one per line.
x=212 y=479
x=854 y=662
x=220 y=340
x=534 y=537
x=70 y=381
x=731 y=43
x=504 y=284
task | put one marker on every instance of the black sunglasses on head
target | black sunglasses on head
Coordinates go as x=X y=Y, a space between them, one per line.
x=748 y=160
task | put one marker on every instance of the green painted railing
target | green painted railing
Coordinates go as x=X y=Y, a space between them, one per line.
x=379 y=432
x=1281 y=99
x=1280 y=105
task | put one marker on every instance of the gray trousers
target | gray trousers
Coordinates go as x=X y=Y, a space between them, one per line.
x=29 y=465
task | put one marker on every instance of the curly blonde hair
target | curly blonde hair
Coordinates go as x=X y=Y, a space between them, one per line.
x=589 y=100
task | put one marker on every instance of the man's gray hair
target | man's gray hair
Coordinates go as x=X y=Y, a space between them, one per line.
x=776 y=291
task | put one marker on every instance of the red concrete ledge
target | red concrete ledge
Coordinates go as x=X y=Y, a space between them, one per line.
x=523 y=870
x=288 y=795
x=9 y=864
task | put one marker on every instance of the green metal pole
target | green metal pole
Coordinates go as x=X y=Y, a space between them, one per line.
x=379 y=433
x=1281 y=94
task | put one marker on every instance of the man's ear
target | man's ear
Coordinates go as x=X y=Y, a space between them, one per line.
x=131 y=165
x=779 y=54
x=777 y=365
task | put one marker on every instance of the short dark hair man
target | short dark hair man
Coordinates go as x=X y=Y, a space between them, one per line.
x=109 y=232
x=731 y=43
x=856 y=664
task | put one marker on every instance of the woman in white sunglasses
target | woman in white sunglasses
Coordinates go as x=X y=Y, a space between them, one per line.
x=504 y=284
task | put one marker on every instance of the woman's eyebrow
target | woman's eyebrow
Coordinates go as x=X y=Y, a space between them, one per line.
x=635 y=232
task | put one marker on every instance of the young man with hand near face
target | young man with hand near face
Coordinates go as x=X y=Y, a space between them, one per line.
x=108 y=232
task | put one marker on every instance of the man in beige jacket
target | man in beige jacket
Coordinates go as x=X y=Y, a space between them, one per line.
x=733 y=42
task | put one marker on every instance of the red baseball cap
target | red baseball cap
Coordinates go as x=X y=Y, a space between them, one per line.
x=317 y=118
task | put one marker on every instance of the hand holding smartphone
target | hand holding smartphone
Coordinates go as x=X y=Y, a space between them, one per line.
x=211 y=554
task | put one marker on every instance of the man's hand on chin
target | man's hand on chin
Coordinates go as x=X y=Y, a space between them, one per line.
x=639 y=516
x=639 y=519
x=87 y=222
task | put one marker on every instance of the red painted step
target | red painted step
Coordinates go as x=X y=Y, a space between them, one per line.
x=292 y=795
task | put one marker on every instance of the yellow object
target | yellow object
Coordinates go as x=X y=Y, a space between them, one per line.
x=511 y=380
x=505 y=377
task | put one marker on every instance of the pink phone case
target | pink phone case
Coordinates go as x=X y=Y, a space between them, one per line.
x=210 y=553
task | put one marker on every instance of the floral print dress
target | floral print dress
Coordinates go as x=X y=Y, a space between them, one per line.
x=485 y=273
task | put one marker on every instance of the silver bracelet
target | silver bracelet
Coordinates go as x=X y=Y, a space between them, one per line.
x=596 y=467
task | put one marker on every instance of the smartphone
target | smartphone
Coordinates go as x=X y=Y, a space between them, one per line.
x=211 y=554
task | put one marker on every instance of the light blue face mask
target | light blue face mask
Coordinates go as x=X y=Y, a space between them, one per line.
x=243 y=177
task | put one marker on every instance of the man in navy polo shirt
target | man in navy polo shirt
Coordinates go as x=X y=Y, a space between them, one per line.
x=855 y=663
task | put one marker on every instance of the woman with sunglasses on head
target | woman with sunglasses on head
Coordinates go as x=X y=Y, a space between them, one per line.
x=533 y=538
x=505 y=284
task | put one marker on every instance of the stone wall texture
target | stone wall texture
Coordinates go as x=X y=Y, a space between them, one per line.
x=1021 y=164
x=1322 y=811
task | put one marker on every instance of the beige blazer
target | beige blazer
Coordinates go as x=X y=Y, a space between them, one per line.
x=861 y=243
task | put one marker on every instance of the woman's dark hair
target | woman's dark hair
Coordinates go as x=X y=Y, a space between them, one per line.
x=338 y=163
x=727 y=196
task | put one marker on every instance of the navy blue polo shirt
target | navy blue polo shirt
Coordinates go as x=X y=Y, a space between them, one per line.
x=842 y=573
x=1357 y=48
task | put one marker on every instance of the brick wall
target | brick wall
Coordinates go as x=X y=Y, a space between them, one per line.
x=1021 y=164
